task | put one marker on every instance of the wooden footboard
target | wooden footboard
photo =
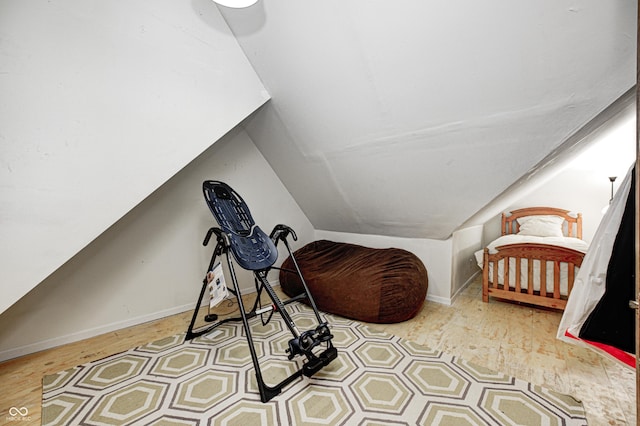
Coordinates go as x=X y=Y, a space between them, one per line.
x=539 y=258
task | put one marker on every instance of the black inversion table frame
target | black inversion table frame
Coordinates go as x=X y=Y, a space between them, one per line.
x=254 y=251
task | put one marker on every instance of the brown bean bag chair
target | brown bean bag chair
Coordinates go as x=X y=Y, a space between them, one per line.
x=366 y=284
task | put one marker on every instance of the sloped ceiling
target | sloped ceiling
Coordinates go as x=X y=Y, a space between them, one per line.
x=406 y=118
x=100 y=104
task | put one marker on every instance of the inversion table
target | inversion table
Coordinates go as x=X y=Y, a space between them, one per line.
x=253 y=250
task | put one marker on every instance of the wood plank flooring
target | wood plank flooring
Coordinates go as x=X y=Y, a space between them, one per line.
x=514 y=339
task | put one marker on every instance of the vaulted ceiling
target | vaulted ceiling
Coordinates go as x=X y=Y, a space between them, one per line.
x=406 y=118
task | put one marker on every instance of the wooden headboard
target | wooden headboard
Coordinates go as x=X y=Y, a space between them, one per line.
x=572 y=226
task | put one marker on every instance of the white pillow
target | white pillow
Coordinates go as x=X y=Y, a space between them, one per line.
x=541 y=226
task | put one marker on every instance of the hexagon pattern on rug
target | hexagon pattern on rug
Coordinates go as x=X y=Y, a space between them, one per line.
x=377 y=379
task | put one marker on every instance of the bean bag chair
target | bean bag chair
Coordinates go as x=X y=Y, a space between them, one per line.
x=362 y=283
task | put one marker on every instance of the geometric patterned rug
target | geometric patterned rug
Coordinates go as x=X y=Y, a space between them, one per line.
x=377 y=379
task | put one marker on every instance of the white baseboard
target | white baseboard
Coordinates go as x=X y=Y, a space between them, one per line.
x=107 y=328
x=449 y=300
x=465 y=285
x=439 y=299
x=92 y=332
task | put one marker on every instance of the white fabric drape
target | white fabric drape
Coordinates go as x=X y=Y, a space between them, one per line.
x=590 y=282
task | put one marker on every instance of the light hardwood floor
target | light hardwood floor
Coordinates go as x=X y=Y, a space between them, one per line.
x=515 y=339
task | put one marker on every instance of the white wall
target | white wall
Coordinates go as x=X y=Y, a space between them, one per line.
x=101 y=103
x=465 y=242
x=581 y=183
x=150 y=263
x=435 y=254
x=574 y=177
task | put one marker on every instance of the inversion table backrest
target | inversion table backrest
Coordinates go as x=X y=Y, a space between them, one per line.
x=251 y=247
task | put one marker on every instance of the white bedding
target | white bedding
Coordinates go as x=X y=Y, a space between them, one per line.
x=569 y=242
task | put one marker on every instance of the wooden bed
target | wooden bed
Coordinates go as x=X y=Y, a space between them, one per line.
x=550 y=268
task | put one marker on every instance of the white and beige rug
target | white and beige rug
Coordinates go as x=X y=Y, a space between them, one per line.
x=377 y=379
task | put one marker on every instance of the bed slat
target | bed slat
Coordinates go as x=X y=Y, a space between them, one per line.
x=529 y=275
x=531 y=252
x=556 y=280
x=543 y=278
x=572 y=276
x=495 y=277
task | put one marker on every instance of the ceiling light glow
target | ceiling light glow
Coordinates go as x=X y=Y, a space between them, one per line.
x=236 y=4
